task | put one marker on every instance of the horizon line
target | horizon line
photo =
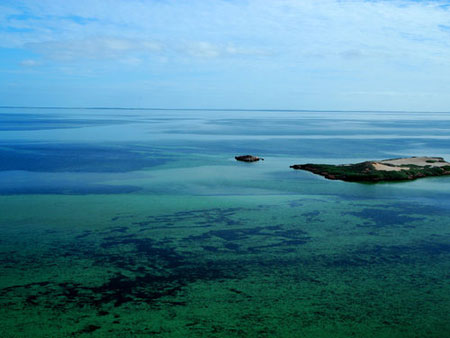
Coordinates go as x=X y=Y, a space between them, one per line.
x=218 y=109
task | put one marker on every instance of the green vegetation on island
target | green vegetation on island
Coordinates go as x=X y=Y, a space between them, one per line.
x=400 y=169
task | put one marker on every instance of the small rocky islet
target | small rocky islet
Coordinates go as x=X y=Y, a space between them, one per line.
x=397 y=169
x=248 y=158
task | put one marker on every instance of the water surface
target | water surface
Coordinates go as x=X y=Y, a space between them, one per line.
x=138 y=222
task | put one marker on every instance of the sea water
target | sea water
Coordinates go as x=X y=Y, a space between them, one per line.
x=117 y=222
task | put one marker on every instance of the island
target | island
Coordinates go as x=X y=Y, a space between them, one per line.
x=398 y=169
x=248 y=158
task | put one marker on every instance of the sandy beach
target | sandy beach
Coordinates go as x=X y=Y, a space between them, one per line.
x=400 y=163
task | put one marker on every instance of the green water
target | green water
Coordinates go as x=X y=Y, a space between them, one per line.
x=126 y=223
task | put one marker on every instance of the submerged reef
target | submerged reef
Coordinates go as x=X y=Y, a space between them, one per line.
x=399 y=169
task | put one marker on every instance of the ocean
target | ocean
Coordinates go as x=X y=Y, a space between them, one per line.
x=126 y=222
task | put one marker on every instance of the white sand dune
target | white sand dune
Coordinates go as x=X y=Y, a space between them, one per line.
x=398 y=164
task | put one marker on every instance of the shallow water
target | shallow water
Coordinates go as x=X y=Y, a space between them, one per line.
x=129 y=222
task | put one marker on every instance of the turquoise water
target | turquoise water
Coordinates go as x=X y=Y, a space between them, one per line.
x=139 y=222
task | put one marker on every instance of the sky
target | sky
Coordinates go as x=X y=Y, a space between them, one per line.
x=251 y=54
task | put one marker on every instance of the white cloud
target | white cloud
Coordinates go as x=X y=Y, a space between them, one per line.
x=94 y=48
x=29 y=63
x=205 y=49
x=392 y=94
